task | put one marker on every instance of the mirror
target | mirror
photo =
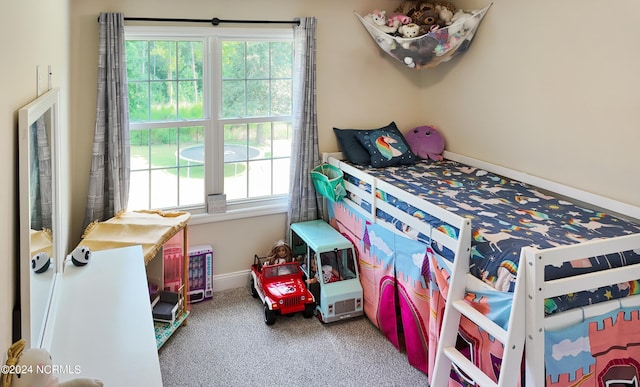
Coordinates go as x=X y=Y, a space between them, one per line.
x=40 y=257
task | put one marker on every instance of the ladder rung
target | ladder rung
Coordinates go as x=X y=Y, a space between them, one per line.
x=481 y=320
x=469 y=368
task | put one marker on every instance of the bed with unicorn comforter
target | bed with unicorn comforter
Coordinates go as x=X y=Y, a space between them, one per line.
x=411 y=222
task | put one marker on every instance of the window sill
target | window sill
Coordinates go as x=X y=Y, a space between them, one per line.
x=239 y=213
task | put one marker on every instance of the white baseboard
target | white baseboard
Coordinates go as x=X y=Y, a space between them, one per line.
x=233 y=280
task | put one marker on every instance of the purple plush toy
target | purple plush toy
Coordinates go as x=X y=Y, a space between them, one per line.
x=425 y=142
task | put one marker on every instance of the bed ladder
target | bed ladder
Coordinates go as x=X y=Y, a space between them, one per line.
x=512 y=338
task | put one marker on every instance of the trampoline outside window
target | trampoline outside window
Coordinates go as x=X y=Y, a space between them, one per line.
x=209 y=114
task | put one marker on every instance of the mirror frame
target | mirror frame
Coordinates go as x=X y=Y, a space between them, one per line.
x=46 y=104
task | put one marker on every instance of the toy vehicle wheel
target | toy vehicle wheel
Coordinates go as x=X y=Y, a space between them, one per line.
x=308 y=310
x=269 y=315
x=252 y=287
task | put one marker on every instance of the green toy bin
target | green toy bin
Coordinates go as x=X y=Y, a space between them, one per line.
x=328 y=182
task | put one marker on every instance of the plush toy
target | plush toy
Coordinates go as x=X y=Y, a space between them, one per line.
x=417 y=54
x=379 y=19
x=80 y=255
x=409 y=57
x=40 y=262
x=425 y=142
x=413 y=56
x=376 y=17
x=445 y=12
x=428 y=19
x=446 y=5
x=398 y=18
x=463 y=21
x=384 y=41
x=33 y=367
x=405 y=7
x=410 y=30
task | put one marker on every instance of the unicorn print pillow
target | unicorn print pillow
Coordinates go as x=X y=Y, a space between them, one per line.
x=387 y=147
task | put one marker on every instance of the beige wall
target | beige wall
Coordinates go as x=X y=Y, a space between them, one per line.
x=547 y=90
x=559 y=102
x=549 y=87
x=353 y=89
x=33 y=33
x=552 y=101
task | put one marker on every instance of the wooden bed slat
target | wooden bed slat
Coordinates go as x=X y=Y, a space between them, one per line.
x=598 y=279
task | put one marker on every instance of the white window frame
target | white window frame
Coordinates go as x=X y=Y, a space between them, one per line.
x=212 y=122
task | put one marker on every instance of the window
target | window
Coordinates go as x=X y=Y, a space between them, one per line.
x=210 y=112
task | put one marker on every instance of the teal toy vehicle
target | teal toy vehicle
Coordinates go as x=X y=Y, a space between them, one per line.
x=331 y=269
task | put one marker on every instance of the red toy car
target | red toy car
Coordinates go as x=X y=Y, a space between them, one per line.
x=281 y=288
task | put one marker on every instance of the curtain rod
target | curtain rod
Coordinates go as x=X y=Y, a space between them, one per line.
x=214 y=21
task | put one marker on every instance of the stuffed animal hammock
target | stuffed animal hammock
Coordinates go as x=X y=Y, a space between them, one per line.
x=429 y=50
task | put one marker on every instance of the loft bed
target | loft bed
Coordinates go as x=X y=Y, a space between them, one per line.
x=448 y=299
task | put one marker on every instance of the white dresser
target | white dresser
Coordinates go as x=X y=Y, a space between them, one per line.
x=103 y=325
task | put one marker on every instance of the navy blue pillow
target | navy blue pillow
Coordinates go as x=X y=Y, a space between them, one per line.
x=351 y=148
x=386 y=147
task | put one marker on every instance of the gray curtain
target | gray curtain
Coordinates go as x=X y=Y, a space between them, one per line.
x=41 y=184
x=304 y=203
x=109 y=175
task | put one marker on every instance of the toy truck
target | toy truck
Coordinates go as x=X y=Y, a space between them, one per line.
x=330 y=266
x=281 y=289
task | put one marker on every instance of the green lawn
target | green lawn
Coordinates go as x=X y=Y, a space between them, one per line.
x=165 y=156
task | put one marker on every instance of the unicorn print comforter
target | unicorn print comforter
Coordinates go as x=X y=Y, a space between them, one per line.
x=507 y=215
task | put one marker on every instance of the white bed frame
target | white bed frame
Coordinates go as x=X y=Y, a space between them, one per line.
x=527 y=318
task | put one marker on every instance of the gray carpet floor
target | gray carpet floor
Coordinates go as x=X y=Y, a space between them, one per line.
x=227 y=343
